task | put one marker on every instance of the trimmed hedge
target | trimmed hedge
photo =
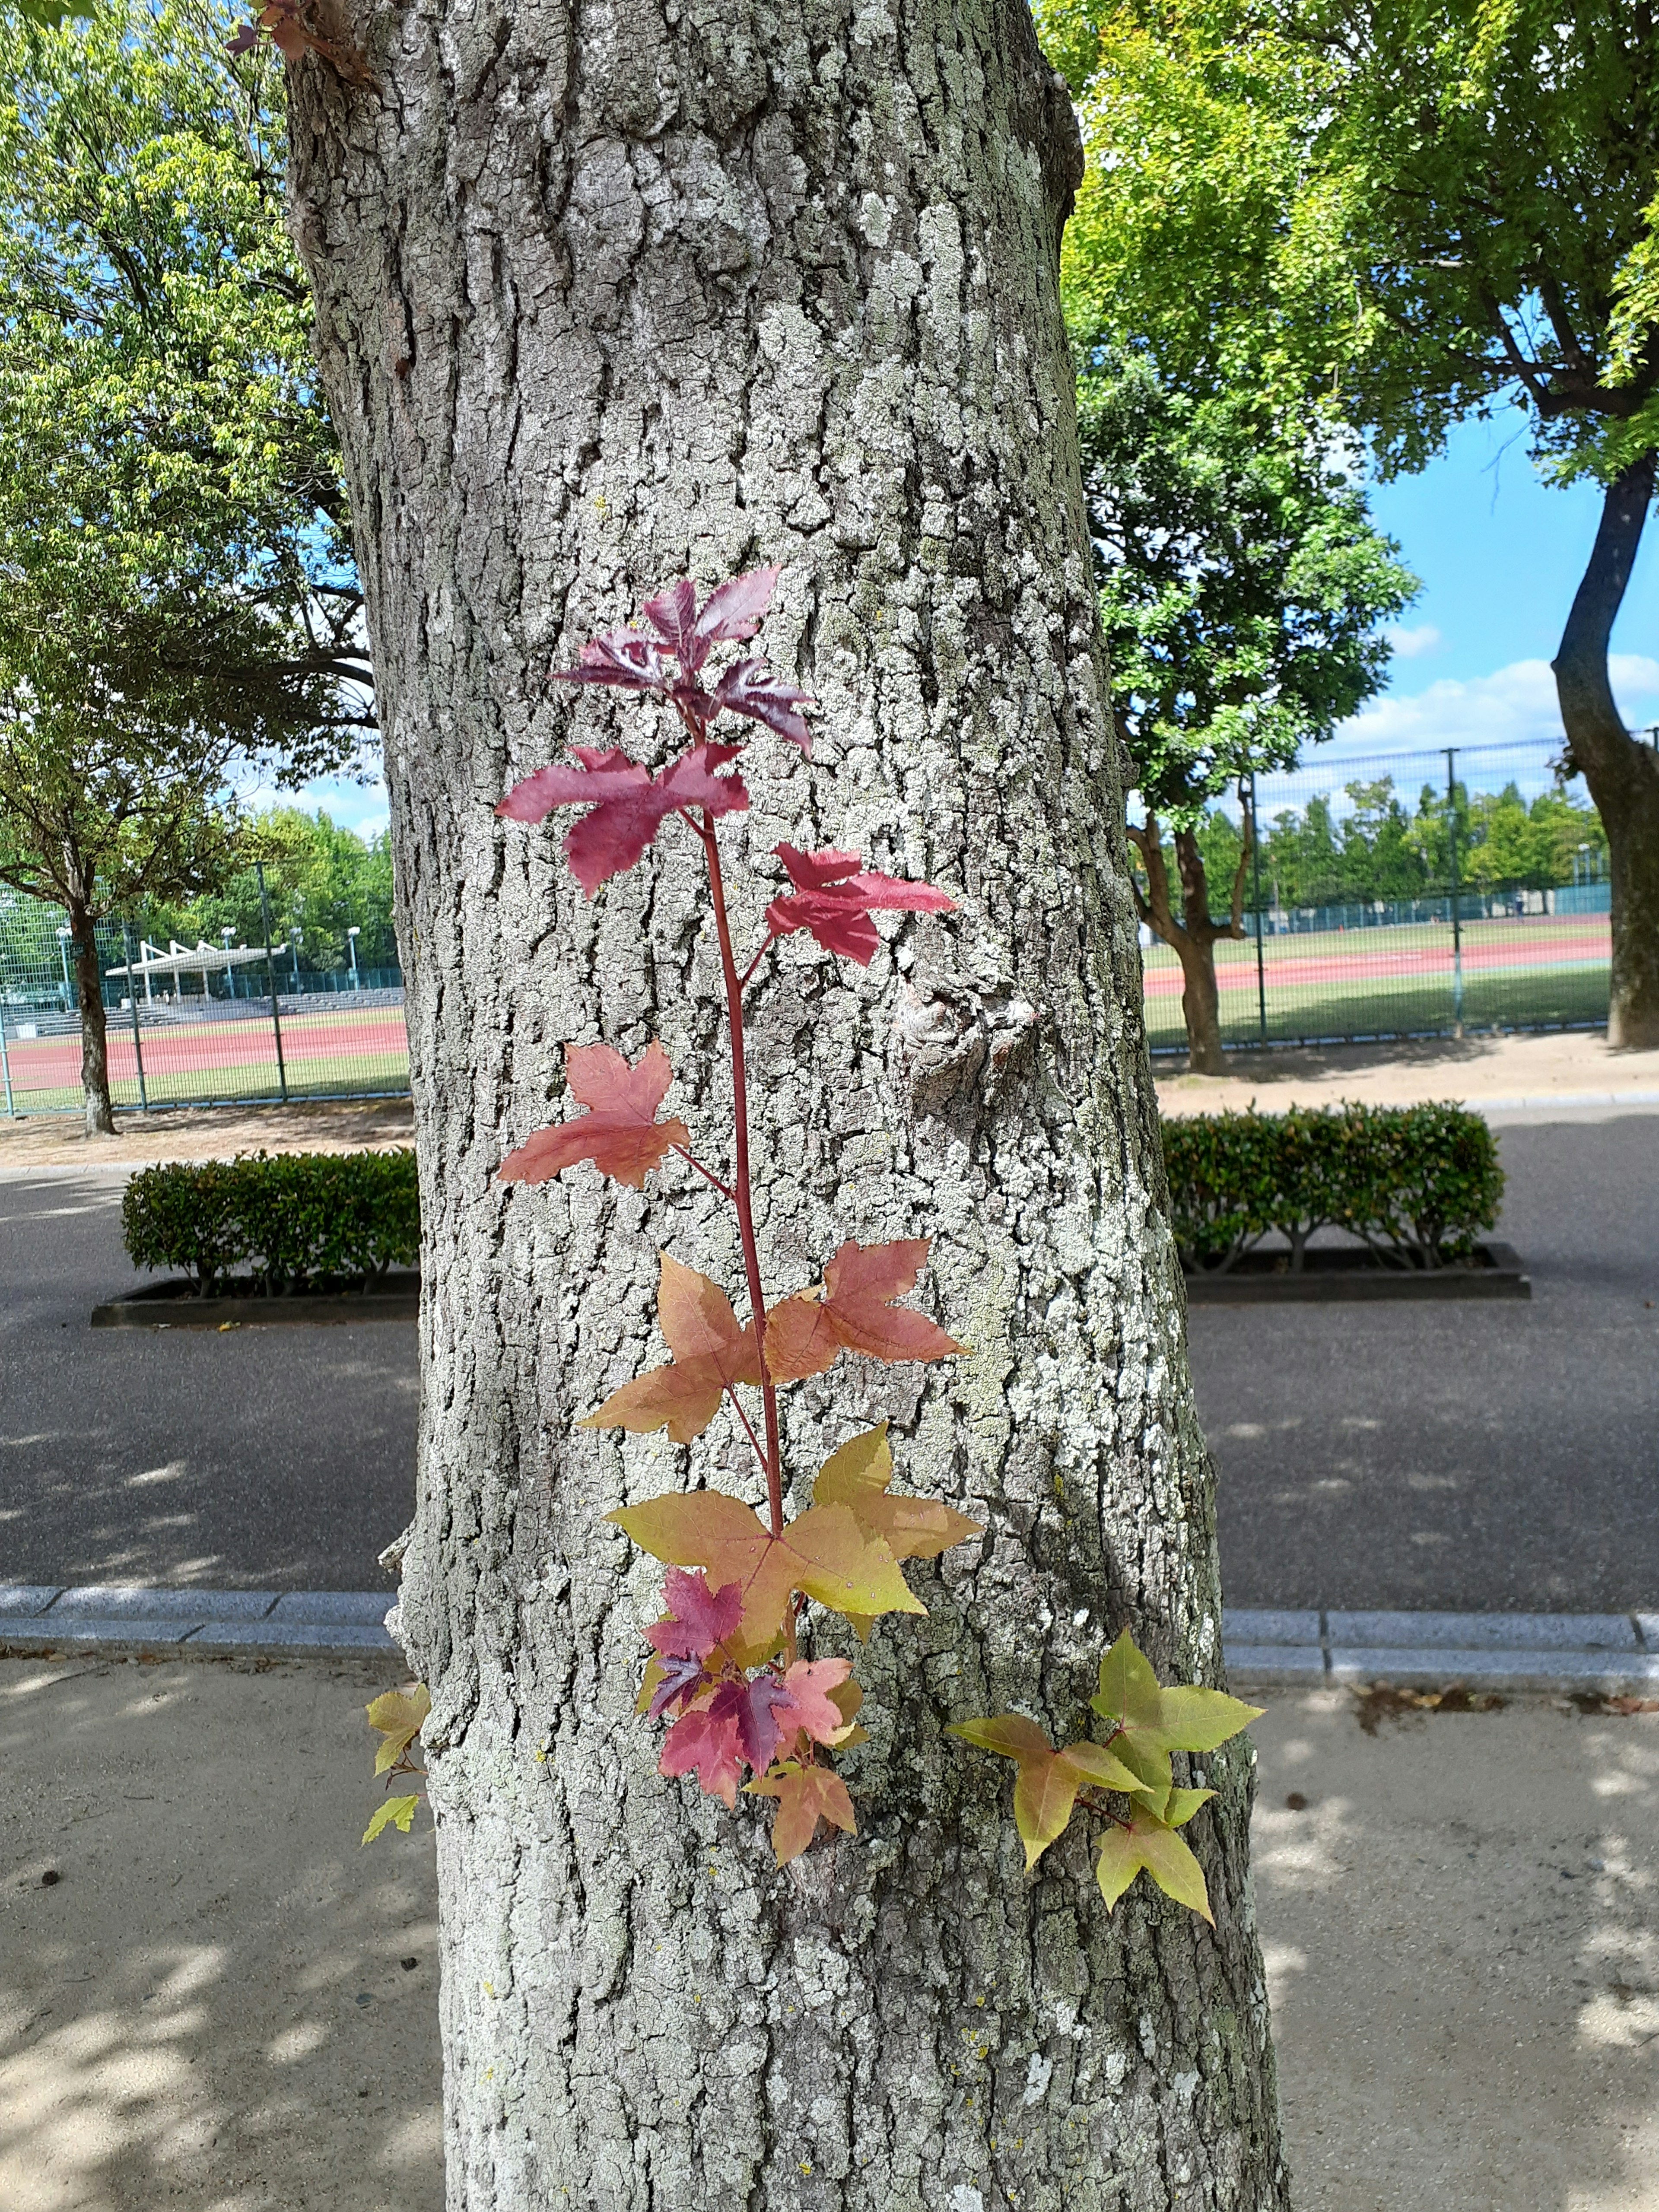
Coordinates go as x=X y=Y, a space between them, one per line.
x=1415 y=1183
x=297 y=1220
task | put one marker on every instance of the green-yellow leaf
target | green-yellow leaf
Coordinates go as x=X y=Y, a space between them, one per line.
x=824 y=1552
x=1152 y=1722
x=1046 y=1790
x=857 y=1476
x=1150 y=1843
x=397 y=1716
x=394 y=1812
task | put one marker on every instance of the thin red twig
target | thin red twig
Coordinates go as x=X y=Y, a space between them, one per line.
x=747 y=1425
x=741 y=1192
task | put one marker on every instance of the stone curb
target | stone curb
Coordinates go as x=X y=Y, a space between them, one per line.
x=1608 y=1651
x=318 y=1621
x=1614 y=1652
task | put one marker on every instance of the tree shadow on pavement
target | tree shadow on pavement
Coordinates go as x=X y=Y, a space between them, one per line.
x=210 y=1994
x=1458 y=1913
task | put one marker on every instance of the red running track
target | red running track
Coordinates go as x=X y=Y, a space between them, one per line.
x=54 y=1063
x=1554 y=948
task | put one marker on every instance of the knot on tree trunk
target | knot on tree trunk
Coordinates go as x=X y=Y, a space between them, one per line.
x=959 y=1044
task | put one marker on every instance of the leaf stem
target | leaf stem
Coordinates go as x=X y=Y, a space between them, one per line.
x=741 y=1192
x=707 y=1174
x=767 y=943
x=747 y=1425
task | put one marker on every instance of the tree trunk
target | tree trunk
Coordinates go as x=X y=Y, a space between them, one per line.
x=94 y=1041
x=601 y=298
x=1623 y=775
x=1201 y=1004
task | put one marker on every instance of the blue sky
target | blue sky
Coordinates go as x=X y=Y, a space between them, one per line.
x=1500 y=553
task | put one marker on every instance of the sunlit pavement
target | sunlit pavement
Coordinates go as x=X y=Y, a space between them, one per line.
x=1465 y=1457
x=222 y=2000
x=258 y=1458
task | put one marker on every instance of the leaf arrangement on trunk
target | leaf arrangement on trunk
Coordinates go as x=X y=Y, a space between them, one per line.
x=724 y=1669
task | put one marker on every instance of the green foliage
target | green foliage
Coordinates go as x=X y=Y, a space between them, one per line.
x=1127 y=1781
x=302 y=1218
x=1242 y=584
x=1420 y=210
x=320 y=877
x=1380 y=849
x=179 y=592
x=1417 y=1183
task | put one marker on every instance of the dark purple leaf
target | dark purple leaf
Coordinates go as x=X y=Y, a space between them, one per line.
x=751 y=688
x=680 y=1678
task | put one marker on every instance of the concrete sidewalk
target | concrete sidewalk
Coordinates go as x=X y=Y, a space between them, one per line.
x=223 y=2002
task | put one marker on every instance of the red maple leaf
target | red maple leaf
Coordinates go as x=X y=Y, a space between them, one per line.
x=808 y=1683
x=732 y=611
x=627 y=803
x=706 y=1744
x=668 y=664
x=855 y=1312
x=619 y=1132
x=697 y=1618
x=835 y=897
x=751 y=688
x=710 y=1351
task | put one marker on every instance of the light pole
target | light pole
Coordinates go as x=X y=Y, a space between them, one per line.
x=296 y=939
x=63 y=953
x=227 y=933
x=351 y=941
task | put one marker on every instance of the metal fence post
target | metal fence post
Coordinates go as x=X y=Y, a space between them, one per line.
x=1456 y=920
x=133 y=1000
x=271 y=978
x=1261 y=965
x=5 y=1069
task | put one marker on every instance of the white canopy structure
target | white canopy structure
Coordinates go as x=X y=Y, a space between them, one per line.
x=200 y=959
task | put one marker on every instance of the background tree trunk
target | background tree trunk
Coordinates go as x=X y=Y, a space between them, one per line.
x=94 y=1040
x=1623 y=775
x=601 y=297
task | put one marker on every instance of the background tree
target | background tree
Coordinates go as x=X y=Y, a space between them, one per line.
x=321 y=880
x=1428 y=212
x=177 y=597
x=107 y=799
x=602 y=299
x=1241 y=587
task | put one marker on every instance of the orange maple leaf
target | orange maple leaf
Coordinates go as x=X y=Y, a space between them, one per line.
x=710 y=1351
x=853 y=1311
x=806 y=1796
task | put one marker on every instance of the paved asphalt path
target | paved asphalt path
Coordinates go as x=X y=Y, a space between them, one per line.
x=1464 y=1457
x=266 y=1458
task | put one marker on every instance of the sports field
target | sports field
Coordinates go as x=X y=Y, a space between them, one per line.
x=353 y=1051
x=1533 y=971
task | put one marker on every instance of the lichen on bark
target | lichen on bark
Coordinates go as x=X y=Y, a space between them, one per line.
x=606 y=296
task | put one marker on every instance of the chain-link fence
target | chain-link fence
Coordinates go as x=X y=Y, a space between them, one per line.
x=259 y=1016
x=1411 y=895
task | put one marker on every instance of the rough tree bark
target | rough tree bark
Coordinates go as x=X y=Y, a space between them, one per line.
x=1192 y=937
x=604 y=295
x=95 y=1038
x=1623 y=775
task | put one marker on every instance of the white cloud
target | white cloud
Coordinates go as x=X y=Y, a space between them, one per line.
x=1412 y=644
x=1514 y=706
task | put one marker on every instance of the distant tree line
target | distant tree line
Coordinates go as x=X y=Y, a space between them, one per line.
x=1378 y=849
x=320 y=879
